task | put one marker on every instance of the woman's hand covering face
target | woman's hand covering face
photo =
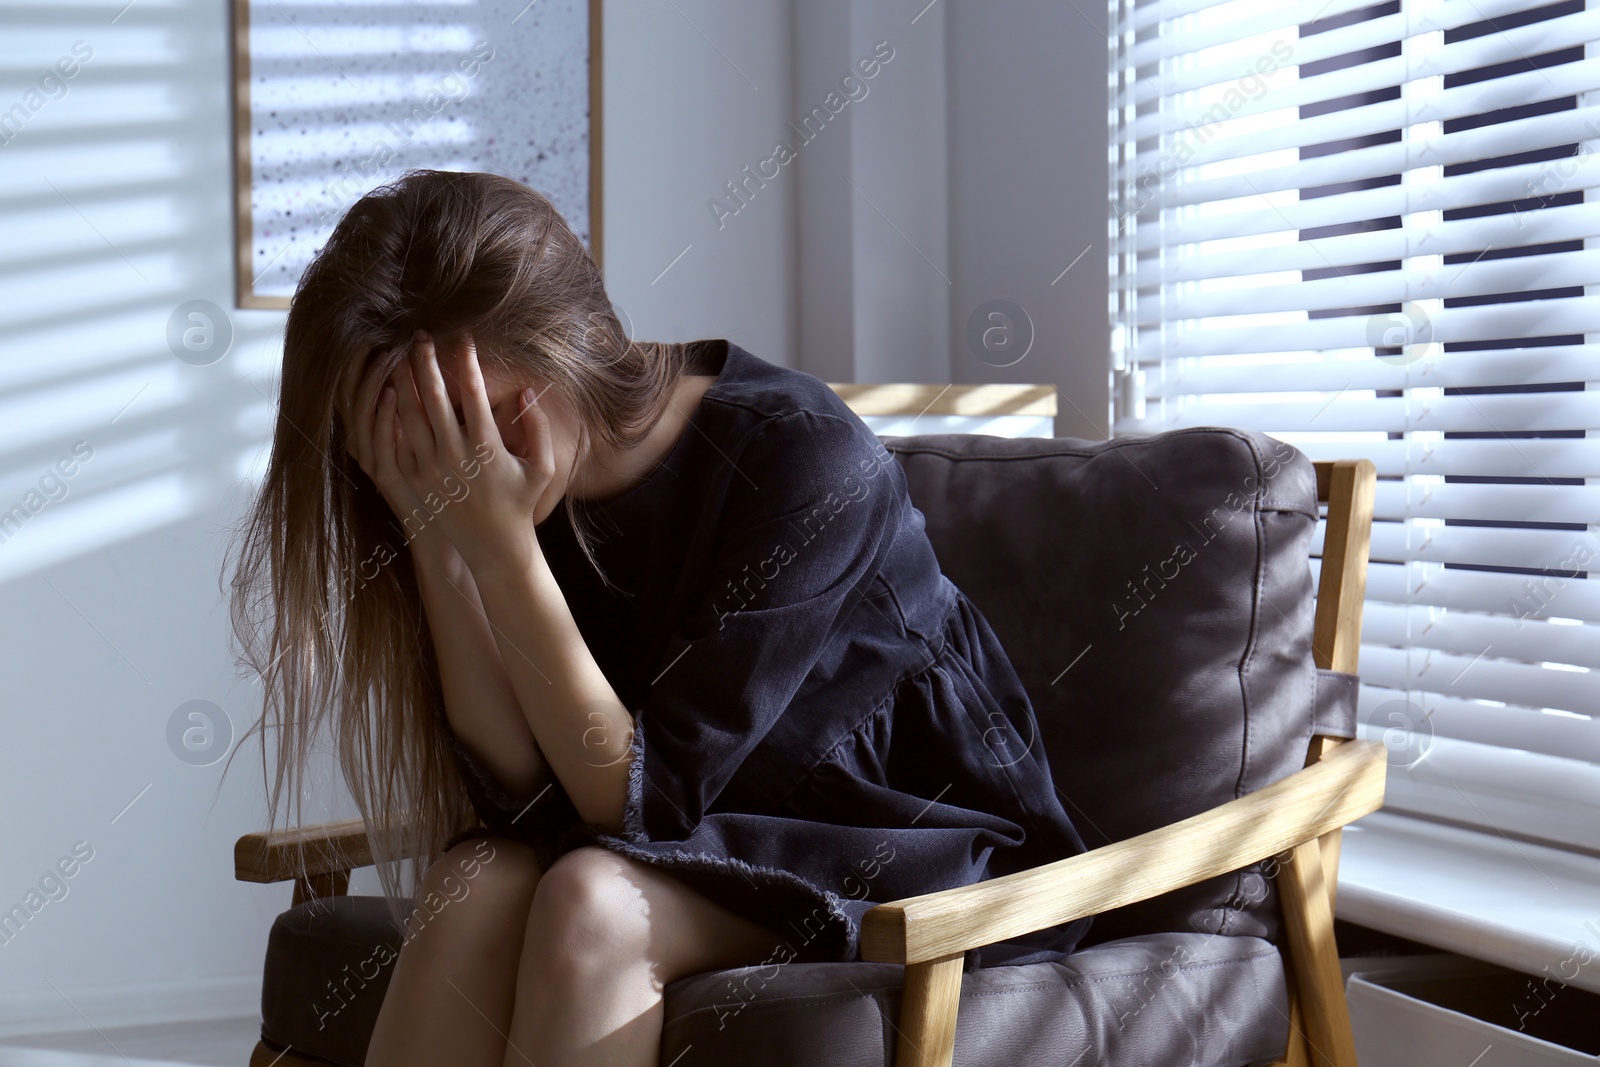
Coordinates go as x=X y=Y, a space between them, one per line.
x=461 y=483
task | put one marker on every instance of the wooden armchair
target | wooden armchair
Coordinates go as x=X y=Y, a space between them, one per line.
x=1298 y=816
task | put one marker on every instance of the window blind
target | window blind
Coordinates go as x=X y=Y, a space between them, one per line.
x=1373 y=230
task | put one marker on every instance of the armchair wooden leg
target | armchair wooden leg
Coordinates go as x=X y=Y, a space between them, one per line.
x=1295 y=1053
x=928 y=1004
x=1314 y=958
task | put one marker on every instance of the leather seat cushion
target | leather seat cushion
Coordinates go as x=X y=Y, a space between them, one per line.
x=1153 y=1000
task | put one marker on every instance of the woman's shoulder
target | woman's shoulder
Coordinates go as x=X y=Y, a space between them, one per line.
x=787 y=410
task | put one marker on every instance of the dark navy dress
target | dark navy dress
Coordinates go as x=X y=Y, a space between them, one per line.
x=822 y=721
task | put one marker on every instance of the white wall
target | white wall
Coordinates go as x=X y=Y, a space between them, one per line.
x=694 y=91
x=968 y=168
x=115 y=208
x=1028 y=163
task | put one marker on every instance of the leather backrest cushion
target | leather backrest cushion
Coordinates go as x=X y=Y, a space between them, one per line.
x=1154 y=594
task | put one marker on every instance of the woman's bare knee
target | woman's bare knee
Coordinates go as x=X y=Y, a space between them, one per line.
x=477 y=891
x=588 y=911
x=597 y=912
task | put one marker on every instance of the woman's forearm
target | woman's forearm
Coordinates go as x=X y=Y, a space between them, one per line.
x=582 y=728
x=480 y=703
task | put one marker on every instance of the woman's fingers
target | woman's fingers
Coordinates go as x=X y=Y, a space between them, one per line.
x=394 y=443
x=361 y=406
x=387 y=449
x=536 y=431
x=475 y=405
x=435 y=399
x=367 y=411
x=412 y=418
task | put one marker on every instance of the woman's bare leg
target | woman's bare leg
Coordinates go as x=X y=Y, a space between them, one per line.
x=451 y=993
x=605 y=934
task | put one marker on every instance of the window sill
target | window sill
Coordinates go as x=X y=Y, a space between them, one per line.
x=1530 y=907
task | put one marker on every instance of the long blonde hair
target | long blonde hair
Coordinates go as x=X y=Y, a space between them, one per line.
x=325 y=606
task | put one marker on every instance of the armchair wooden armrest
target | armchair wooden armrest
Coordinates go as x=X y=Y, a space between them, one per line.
x=930 y=933
x=319 y=858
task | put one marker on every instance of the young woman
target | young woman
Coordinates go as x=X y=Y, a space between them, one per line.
x=660 y=617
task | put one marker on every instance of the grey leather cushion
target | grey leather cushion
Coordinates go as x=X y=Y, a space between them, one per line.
x=324 y=978
x=1157 y=1000
x=1155 y=595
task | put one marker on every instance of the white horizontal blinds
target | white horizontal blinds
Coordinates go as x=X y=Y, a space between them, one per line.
x=1374 y=230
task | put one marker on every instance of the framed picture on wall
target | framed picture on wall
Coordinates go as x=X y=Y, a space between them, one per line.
x=332 y=98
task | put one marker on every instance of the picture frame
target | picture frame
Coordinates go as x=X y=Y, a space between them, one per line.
x=326 y=109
